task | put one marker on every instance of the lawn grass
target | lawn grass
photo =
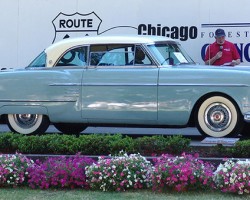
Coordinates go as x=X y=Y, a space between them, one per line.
x=78 y=194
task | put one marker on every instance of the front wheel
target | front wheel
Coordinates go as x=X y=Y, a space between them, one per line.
x=28 y=123
x=218 y=116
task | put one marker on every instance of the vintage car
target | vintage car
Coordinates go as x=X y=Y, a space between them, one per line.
x=143 y=81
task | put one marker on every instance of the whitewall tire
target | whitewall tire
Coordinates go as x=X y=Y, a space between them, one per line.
x=218 y=116
x=28 y=123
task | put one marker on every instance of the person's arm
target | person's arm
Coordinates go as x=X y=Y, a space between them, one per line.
x=236 y=56
x=213 y=59
x=235 y=62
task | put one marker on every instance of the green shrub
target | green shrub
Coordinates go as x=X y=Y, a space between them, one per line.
x=7 y=142
x=177 y=144
x=150 y=145
x=126 y=144
x=30 y=144
x=105 y=144
x=61 y=144
x=97 y=144
x=241 y=149
x=159 y=144
x=93 y=144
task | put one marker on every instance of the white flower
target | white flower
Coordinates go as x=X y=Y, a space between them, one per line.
x=232 y=180
x=130 y=182
x=10 y=170
x=244 y=162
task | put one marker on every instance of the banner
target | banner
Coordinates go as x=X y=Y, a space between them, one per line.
x=29 y=26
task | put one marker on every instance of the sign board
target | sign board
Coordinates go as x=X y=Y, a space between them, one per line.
x=223 y=141
x=29 y=26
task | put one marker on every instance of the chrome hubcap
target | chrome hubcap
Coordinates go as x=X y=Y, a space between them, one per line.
x=218 y=117
x=26 y=120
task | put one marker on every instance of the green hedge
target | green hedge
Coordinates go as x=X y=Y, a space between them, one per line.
x=93 y=144
x=242 y=149
x=105 y=144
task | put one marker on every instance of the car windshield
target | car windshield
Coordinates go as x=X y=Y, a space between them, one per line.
x=170 y=54
x=39 y=61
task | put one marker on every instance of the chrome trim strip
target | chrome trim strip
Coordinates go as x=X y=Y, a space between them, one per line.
x=204 y=84
x=149 y=84
x=65 y=84
x=118 y=84
x=167 y=84
x=36 y=101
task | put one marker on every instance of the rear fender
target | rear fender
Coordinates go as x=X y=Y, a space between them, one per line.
x=15 y=109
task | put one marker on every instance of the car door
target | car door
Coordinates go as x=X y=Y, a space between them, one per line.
x=116 y=89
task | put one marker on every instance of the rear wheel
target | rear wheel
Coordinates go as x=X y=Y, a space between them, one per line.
x=70 y=128
x=28 y=123
x=218 y=116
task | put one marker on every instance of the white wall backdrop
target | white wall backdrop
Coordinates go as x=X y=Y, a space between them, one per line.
x=29 y=26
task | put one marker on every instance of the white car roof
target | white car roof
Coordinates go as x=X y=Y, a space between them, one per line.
x=56 y=49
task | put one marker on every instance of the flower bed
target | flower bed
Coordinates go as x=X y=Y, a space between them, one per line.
x=182 y=173
x=233 y=177
x=123 y=172
x=60 y=172
x=120 y=173
x=13 y=169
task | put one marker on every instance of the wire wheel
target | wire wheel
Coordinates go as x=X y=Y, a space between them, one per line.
x=218 y=116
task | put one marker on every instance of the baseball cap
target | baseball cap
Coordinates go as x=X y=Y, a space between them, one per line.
x=219 y=33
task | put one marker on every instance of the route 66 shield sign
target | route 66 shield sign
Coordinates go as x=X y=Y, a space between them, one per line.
x=75 y=25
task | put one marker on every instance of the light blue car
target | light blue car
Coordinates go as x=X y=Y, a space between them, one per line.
x=144 y=81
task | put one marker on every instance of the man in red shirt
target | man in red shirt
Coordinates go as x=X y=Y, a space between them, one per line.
x=222 y=52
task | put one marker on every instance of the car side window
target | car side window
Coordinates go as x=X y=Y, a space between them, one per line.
x=140 y=57
x=110 y=55
x=116 y=55
x=74 y=57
